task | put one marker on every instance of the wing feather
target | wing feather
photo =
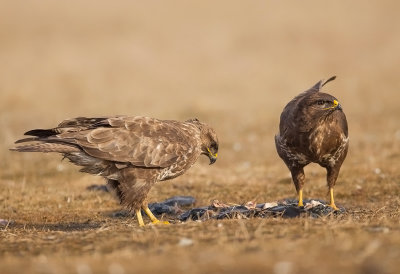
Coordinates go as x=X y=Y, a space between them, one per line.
x=141 y=141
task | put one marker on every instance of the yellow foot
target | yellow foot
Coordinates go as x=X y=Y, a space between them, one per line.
x=334 y=207
x=158 y=222
x=153 y=218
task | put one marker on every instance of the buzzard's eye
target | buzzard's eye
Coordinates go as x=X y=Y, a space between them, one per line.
x=321 y=102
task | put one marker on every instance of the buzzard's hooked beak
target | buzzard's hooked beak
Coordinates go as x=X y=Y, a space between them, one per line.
x=213 y=160
x=213 y=157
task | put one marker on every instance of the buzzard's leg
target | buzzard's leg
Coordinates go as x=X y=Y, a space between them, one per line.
x=298 y=180
x=139 y=217
x=332 y=204
x=300 y=198
x=332 y=174
x=153 y=218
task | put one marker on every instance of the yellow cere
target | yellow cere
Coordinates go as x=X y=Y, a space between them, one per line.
x=335 y=104
x=214 y=155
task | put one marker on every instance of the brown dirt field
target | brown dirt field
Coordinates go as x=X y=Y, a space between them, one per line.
x=233 y=65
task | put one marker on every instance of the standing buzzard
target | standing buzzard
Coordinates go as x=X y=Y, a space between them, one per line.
x=131 y=153
x=313 y=128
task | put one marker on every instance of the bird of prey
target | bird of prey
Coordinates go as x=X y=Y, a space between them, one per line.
x=313 y=129
x=131 y=153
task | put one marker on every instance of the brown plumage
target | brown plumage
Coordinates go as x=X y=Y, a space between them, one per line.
x=313 y=128
x=131 y=153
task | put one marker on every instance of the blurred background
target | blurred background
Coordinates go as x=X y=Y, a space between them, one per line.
x=233 y=65
x=230 y=64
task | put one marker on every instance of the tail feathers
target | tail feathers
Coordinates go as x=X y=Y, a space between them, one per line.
x=30 y=139
x=46 y=147
x=42 y=132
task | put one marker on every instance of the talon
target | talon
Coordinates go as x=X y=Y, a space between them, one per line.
x=158 y=222
x=153 y=218
x=334 y=207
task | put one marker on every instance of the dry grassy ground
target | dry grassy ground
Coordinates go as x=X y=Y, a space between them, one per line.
x=233 y=65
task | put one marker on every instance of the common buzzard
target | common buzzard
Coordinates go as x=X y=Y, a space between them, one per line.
x=131 y=153
x=313 y=128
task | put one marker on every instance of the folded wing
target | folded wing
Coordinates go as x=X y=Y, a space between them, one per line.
x=141 y=141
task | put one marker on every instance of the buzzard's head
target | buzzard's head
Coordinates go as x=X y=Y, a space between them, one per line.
x=319 y=104
x=308 y=108
x=209 y=140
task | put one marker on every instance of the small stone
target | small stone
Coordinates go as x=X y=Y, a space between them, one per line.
x=83 y=268
x=379 y=229
x=4 y=222
x=397 y=134
x=185 y=242
x=245 y=165
x=237 y=147
x=50 y=237
x=60 y=167
x=283 y=267
x=377 y=171
x=116 y=268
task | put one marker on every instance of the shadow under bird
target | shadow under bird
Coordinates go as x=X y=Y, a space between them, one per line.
x=313 y=129
x=131 y=153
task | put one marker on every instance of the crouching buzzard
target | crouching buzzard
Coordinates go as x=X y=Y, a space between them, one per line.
x=131 y=153
x=313 y=128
